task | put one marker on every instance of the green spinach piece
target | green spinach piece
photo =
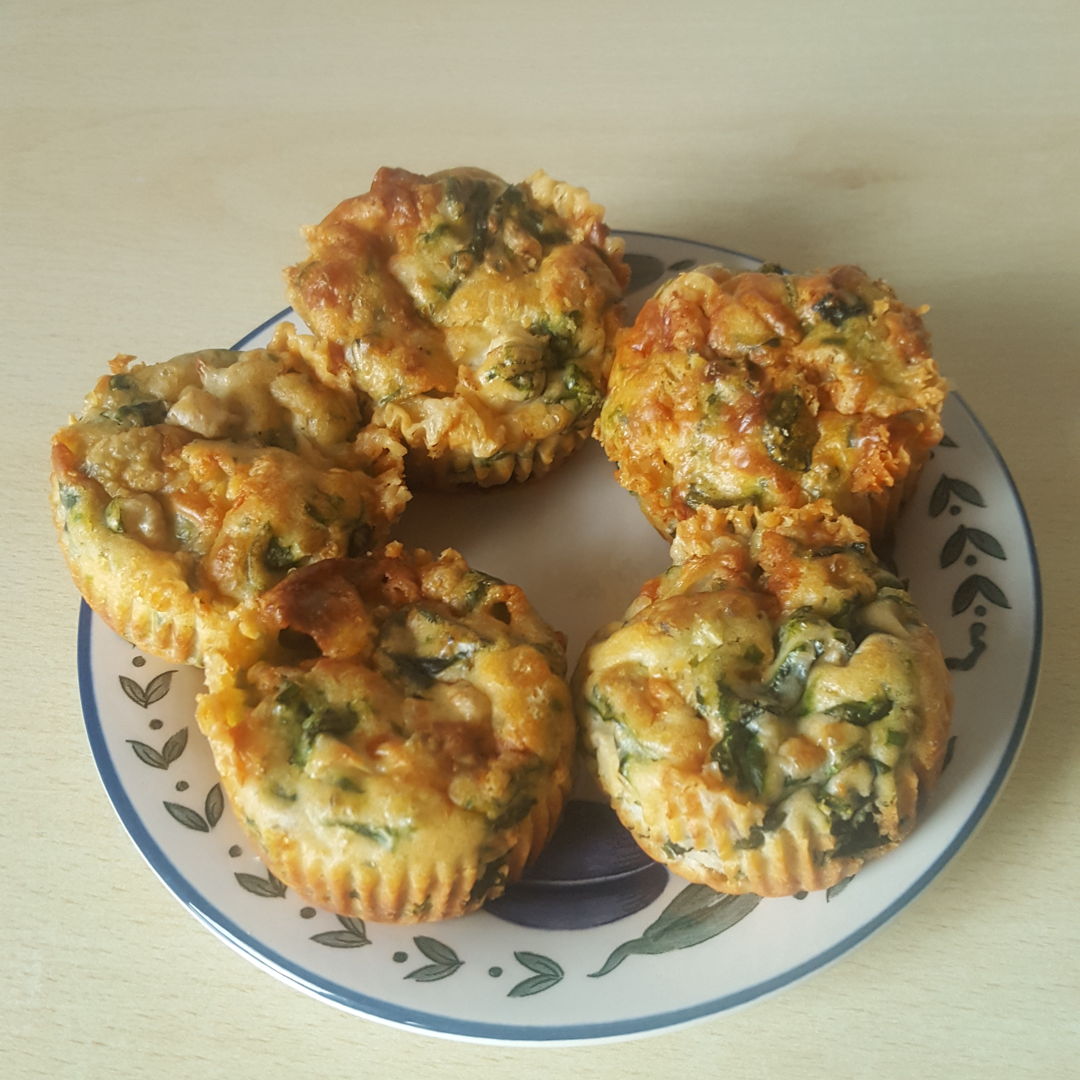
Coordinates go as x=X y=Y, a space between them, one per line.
x=739 y=754
x=790 y=431
x=837 y=309
x=855 y=835
x=139 y=414
x=423 y=670
x=493 y=877
x=862 y=713
x=696 y=496
x=384 y=835
x=306 y=714
x=279 y=556
x=580 y=389
x=753 y=841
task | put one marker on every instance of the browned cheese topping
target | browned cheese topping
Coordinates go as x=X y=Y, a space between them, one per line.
x=768 y=710
x=192 y=486
x=771 y=389
x=478 y=315
x=405 y=737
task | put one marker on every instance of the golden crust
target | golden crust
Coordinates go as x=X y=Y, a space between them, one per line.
x=767 y=713
x=773 y=390
x=479 y=316
x=189 y=487
x=401 y=745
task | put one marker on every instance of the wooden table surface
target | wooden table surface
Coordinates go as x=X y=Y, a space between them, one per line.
x=158 y=160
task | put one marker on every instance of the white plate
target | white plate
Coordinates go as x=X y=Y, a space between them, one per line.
x=579 y=546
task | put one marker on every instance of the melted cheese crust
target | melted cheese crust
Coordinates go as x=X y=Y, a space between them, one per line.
x=478 y=315
x=189 y=487
x=772 y=390
x=767 y=712
x=402 y=746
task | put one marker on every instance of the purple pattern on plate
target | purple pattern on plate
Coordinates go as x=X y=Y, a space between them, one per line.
x=591 y=873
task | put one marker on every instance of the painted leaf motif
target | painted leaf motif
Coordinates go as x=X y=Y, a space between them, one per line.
x=978 y=647
x=682 y=264
x=147 y=754
x=950 y=748
x=695 y=915
x=968 y=492
x=215 y=803
x=542 y=965
x=187 y=817
x=133 y=690
x=174 y=746
x=971 y=587
x=155 y=690
x=948 y=486
x=548 y=974
x=355 y=927
x=691 y=901
x=968 y=590
x=946 y=441
x=352 y=937
x=340 y=939
x=992 y=592
x=444 y=961
x=268 y=886
x=432 y=972
x=535 y=984
x=953 y=547
x=834 y=891
x=987 y=543
x=436 y=951
x=158 y=687
x=940 y=497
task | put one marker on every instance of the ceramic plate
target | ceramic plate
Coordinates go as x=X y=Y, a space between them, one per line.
x=599 y=943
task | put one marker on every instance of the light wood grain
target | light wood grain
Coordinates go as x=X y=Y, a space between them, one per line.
x=158 y=160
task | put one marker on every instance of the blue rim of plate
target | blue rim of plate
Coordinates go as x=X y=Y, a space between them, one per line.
x=437 y=1024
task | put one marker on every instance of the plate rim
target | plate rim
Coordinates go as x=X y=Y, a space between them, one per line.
x=437 y=1024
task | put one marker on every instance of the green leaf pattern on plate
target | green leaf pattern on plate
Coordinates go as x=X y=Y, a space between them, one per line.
x=444 y=961
x=215 y=803
x=353 y=936
x=269 y=886
x=695 y=915
x=834 y=891
x=547 y=973
x=957 y=495
x=163 y=758
x=190 y=819
x=213 y=806
x=154 y=691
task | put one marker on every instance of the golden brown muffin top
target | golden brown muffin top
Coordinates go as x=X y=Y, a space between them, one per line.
x=408 y=708
x=769 y=389
x=780 y=675
x=482 y=309
x=219 y=471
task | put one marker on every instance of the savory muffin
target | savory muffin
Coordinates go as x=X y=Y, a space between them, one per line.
x=772 y=390
x=769 y=709
x=478 y=315
x=189 y=487
x=402 y=746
